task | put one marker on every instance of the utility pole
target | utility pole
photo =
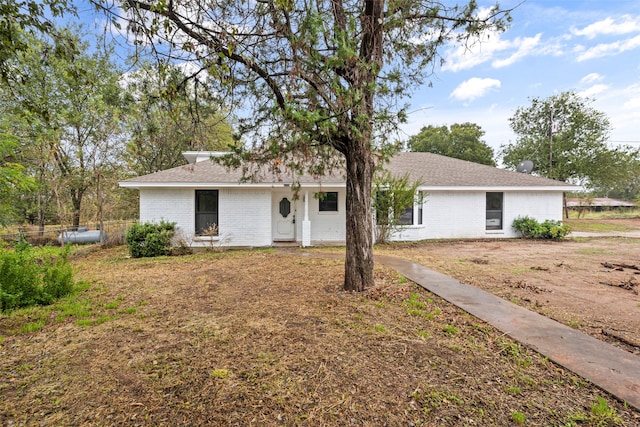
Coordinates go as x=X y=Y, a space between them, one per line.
x=551 y=143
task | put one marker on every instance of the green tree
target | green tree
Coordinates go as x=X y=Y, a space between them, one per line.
x=13 y=179
x=392 y=198
x=169 y=115
x=566 y=139
x=65 y=106
x=461 y=141
x=321 y=82
x=18 y=16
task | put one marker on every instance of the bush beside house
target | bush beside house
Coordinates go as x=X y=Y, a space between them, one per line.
x=150 y=239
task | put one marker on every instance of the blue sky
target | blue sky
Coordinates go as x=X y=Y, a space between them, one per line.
x=590 y=47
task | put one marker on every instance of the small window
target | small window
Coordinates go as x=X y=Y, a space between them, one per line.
x=206 y=212
x=494 y=211
x=328 y=201
x=285 y=207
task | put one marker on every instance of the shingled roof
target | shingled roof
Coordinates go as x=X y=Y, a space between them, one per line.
x=432 y=170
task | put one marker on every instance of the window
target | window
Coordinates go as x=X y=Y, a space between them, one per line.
x=328 y=201
x=494 y=211
x=384 y=206
x=206 y=212
x=407 y=216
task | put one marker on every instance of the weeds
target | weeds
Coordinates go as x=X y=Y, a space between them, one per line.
x=518 y=417
x=33 y=276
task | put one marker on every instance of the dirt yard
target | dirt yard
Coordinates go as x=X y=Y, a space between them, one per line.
x=591 y=284
x=265 y=338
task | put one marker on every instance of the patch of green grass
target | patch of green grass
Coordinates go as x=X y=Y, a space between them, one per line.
x=380 y=328
x=32 y=326
x=510 y=349
x=219 y=373
x=593 y=226
x=73 y=307
x=423 y=334
x=85 y=322
x=414 y=301
x=112 y=305
x=513 y=389
x=602 y=414
x=518 y=417
x=450 y=330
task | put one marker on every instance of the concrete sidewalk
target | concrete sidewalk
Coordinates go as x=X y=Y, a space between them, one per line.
x=610 y=368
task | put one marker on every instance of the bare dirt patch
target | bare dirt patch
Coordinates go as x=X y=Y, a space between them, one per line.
x=267 y=338
x=591 y=284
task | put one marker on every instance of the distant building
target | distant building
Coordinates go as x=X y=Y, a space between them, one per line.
x=597 y=204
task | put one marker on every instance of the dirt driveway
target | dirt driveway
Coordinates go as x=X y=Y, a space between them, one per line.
x=591 y=284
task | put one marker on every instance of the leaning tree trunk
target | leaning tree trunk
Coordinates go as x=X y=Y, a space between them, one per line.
x=358 y=266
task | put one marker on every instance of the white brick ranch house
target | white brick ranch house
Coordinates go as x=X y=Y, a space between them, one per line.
x=460 y=199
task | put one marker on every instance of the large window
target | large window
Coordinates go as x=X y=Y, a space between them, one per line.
x=206 y=212
x=494 y=211
x=328 y=201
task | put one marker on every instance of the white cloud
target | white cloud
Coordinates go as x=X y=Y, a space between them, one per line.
x=593 y=90
x=524 y=46
x=609 y=49
x=626 y=24
x=474 y=88
x=482 y=50
x=591 y=78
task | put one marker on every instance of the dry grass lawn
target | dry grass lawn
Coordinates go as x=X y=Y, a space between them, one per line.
x=267 y=338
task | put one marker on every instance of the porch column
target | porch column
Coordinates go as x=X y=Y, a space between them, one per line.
x=306 y=224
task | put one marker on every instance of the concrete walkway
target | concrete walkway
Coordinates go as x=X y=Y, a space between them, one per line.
x=610 y=368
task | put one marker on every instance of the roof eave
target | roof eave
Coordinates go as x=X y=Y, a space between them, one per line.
x=138 y=185
x=503 y=188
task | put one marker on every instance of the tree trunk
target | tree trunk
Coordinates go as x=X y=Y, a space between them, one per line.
x=76 y=202
x=358 y=266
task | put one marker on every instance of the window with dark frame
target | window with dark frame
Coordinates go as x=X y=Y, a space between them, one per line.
x=328 y=201
x=206 y=212
x=494 y=211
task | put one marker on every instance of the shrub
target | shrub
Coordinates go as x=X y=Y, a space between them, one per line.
x=530 y=228
x=150 y=239
x=28 y=277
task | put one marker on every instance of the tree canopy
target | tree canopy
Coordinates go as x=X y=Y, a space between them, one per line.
x=18 y=16
x=566 y=138
x=460 y=141
x=167 y=116
x=64 y=104
x=320 y=83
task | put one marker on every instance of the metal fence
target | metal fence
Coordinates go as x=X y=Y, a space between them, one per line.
x=114 y=230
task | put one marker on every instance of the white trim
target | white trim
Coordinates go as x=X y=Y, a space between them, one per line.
x=205 y=185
